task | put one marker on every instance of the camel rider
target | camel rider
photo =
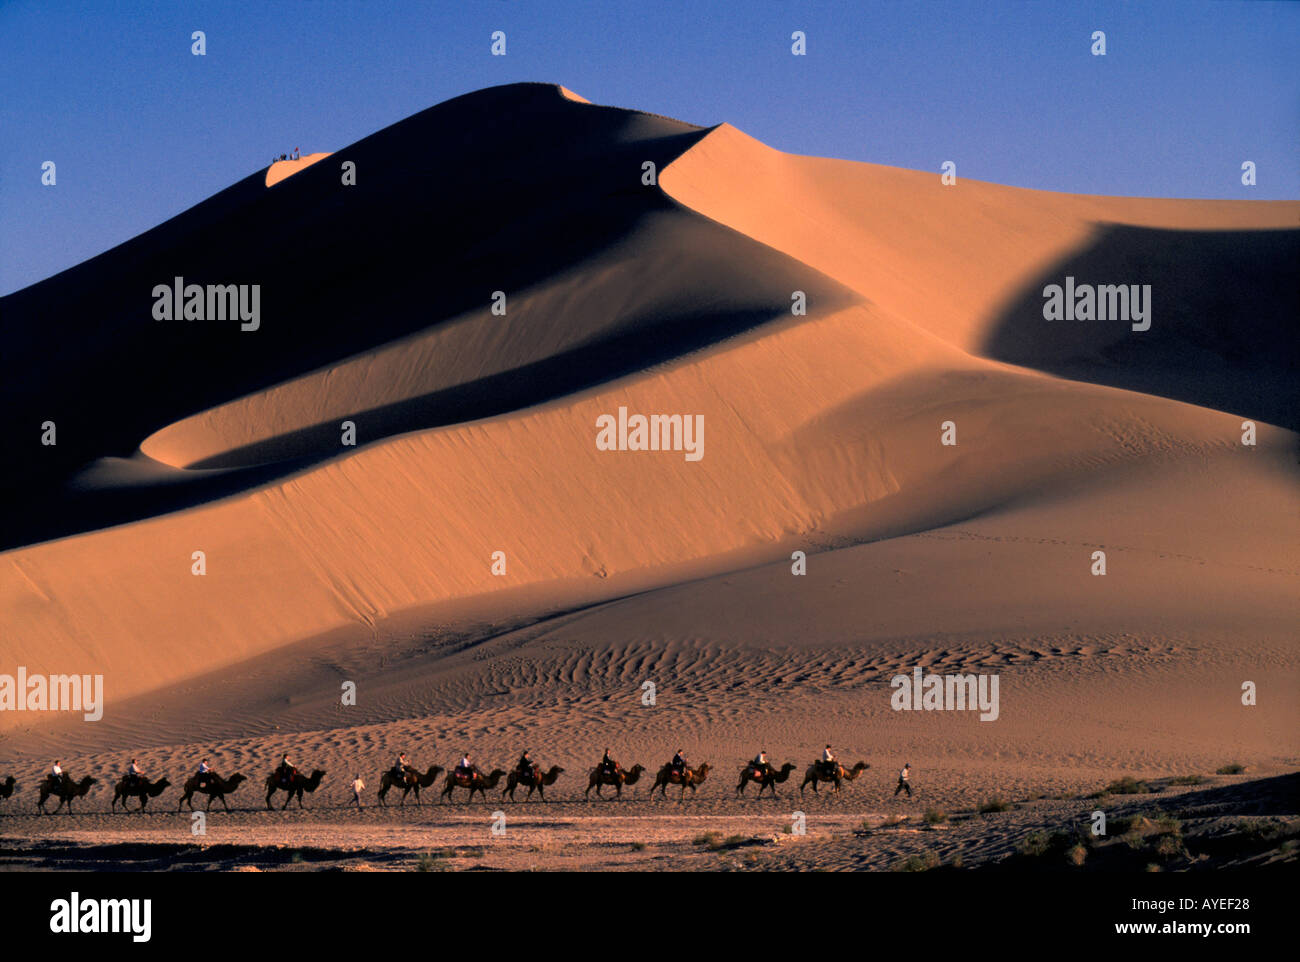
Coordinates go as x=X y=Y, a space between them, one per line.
x=56 y=773
x=285 y=772
x=133 y=773
x=466 y=768
x=204 y=773
x=679 y=764
x=760 y=765
x=828 y=760
x=400 y=767
x=525 y=768
x=607 y=764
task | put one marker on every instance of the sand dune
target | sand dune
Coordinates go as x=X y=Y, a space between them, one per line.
x=477 y=434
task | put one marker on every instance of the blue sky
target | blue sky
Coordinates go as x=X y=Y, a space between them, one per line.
x=140 y=129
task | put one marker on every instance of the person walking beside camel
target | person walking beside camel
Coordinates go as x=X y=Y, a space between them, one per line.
x=903 y=780
x=357 y=786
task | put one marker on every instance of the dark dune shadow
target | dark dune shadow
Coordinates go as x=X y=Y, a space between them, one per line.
x=443 y=205
x=1274 y=795
x=1225 y=310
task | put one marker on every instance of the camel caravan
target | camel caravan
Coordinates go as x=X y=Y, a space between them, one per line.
x=465 y=776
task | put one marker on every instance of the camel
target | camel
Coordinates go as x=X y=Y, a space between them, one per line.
x=217 y=787
x=770 y=780
x=7 y=787
x=624 y=776
x=297 y=786
x=536 y=780
x=475 y=781
x=815 y=775
x=66 y=789
x=411 y=780
x=690 y=779
x=141 y=788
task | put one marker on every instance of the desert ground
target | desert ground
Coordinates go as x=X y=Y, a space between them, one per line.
x=375 y=564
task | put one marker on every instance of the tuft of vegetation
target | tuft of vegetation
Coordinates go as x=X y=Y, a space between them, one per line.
x=430 y=862
x=1170 y=846
x=638 y=846
x=922 y=862
x=1128 y=785
x=1035 y=844
x=710 y=839
x=1230 y=769
x=995 y=804
x=1187 y=780
x=933 y=816
x=1076 y=855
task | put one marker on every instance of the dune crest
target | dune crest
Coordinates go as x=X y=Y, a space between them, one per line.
x=283 y=169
